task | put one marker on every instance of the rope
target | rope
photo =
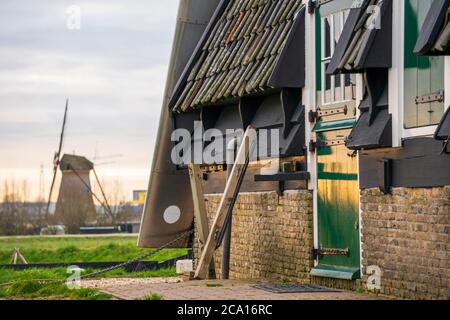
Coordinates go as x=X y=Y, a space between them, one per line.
x=103 y=193
x=107 y=209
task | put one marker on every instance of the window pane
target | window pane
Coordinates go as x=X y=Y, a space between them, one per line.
x=327 y=92
x=338 y=88
x=337 y=28
x=350 y=83
x=327 y=37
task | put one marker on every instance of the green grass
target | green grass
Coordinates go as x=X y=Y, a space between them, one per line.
x=152 y=297
x=214 y=285
x=37 y=283
x=79 y=249
x=27 y=285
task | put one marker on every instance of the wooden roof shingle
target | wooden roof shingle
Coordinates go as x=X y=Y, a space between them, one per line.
x=240 y=53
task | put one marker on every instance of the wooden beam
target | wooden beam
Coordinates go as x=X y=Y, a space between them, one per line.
x=238 y=170
x=200 y=214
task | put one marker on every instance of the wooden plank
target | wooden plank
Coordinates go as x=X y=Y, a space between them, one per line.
x=200 y=214
x=238 y=169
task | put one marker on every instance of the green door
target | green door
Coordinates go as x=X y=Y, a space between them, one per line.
x=338 y=208
x=338 y=253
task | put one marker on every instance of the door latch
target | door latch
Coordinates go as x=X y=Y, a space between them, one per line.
x=328 y=252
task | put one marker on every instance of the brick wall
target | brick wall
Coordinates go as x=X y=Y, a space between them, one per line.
x=406 y=234
x=271 y=235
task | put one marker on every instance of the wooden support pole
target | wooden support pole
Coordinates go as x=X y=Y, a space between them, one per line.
x=21 y=257
x=17 y=255
x=238 y=169
x=200 y=214
x=14 y=257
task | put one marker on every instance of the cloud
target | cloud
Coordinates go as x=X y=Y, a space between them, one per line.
x=113 y=70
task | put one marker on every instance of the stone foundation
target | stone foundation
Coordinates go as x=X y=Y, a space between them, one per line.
x=406 y=235
x=271 y=236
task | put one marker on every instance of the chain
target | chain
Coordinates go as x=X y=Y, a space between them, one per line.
x=137 y=259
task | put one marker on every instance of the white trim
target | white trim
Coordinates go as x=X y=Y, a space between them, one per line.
x=419 y=132
x=447 y=83
x=360 y=212
x=396 y=73
x=309 y=98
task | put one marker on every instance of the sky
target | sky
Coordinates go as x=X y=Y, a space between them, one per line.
x=111 y=62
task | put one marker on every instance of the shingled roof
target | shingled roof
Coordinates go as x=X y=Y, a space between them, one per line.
x=240 y=54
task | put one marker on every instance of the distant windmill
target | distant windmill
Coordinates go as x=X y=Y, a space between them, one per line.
x=75 y=205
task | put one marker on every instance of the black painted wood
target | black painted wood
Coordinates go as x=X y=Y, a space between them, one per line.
x=284 y=176
x=432 y=27
x=419 y=163
x=132 y=267
x=215 y=183
x=289 y=71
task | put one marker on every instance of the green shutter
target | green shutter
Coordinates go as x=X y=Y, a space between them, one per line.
x=423 y=75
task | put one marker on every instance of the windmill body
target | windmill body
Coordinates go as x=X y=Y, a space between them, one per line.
x=75 y=205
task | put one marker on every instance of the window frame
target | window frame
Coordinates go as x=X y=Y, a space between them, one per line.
x=343 y=14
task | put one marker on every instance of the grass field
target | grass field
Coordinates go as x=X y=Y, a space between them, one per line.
x=79 y=249
x=34 y=283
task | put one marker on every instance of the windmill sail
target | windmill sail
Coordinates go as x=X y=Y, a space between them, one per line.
x=56 y=158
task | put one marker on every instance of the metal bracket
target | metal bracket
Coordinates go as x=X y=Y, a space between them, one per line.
x=328 y=252
x=431 y=97
x=213 y=168
x=311 y=6
x=385 y=175
x=315 y=115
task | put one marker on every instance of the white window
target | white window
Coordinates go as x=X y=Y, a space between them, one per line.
x=339 y=88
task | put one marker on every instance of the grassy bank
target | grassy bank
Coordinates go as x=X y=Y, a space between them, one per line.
x=79 y=249
x=49 y=283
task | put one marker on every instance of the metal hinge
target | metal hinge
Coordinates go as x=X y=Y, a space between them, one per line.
x=313 y=145
x=328 y=252
x=314 y=115
x=311 y=6
x=431 y=97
